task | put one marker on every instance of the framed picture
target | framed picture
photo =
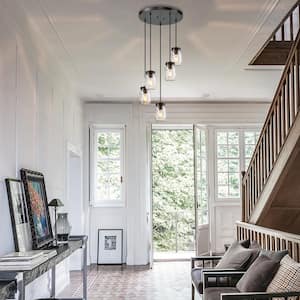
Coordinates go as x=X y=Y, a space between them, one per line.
x=110 y=246
x=19 y=215
x=38 y=211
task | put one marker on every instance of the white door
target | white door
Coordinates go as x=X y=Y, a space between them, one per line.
x=202 y=232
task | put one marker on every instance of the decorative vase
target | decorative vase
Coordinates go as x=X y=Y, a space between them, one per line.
x=63 y=227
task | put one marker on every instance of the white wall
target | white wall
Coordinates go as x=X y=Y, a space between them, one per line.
x=39 y=115
x=134 y=217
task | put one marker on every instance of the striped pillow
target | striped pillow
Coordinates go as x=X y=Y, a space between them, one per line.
x=287 y=278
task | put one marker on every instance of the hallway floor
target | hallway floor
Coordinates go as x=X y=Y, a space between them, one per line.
x=167 y=280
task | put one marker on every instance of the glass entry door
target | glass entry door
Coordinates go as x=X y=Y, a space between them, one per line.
x=202 y=232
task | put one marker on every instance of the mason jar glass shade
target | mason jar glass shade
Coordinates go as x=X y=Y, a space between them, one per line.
x=170 y=71
x=161 y=112
x=145 y=96
x=176 y=56
x=150 y=78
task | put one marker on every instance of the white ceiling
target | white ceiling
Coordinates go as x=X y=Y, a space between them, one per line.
x=100 y=43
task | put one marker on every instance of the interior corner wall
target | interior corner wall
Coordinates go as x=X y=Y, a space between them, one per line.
x=39 y=115
x=135 y=218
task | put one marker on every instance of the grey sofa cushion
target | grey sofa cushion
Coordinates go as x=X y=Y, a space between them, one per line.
x=275 y=255
x=214 y=293
x=259 y=275
x=236 y=257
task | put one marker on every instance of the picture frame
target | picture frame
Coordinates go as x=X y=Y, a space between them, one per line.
x=110 y=247
x=19 y=215
x=38 y=211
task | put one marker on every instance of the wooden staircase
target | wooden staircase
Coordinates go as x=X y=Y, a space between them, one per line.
x=271 y=185
x=277 y=48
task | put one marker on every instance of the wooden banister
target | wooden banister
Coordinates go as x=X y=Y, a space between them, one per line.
x=279 y=121
x=281 y=39
x=270 y=239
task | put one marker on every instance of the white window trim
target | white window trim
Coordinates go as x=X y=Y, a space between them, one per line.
x=94 y=129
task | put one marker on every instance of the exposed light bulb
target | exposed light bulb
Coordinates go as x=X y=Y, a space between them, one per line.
x=161 y=112
x=150 y=78
x=145 y=96
x=170 y=70
x=176 y=56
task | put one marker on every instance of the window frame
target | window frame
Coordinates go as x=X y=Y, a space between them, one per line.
x=241 y=130
x=94 y=130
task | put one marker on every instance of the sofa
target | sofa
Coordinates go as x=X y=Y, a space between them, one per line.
x=246 y=271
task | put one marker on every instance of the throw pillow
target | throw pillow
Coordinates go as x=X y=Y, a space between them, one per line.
x=287 y=278
x=275 y=255
x=236 y=257
x=258 y=276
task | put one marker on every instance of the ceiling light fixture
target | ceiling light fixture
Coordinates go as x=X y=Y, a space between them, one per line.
x=145 y=96
x=176 y=53
x=150 y=75
x=159 y=15
x=170 y=66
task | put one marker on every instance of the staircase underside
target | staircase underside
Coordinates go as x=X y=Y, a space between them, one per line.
x=274 y=53
x=279 y=204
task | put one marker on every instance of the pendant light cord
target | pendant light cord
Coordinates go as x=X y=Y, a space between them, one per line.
x=176 y=33
x=145 y=48
x=169 y=36
x=160 y=62
x=150 y=35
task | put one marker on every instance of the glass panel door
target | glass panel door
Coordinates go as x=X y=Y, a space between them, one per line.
x=201 y=190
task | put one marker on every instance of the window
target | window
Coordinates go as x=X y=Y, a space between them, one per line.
x=234 y=149
x=108 y=166
x=228 y=164
x=250 y=140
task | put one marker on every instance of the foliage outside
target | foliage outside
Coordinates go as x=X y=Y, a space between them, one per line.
x=173 y=190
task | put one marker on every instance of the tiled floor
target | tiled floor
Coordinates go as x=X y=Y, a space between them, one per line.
x=167 y=280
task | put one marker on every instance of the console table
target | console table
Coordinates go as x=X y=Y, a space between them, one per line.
x=14 y=282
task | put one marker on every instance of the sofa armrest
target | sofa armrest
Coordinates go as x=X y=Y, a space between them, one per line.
x=204 y=258
x=231 y=277
x=260 y=296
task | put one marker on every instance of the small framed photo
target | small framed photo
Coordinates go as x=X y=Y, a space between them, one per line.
x=19 y=215
x=110 y=247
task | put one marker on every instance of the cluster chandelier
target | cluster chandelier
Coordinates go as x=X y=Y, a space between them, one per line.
x=161 y=16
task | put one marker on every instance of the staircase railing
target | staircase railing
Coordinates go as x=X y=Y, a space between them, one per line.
x=270 y=239
x=289 y=26
x=283 y=35
x=279 y=121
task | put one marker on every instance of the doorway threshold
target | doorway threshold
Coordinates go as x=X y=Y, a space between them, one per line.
x=173 y=256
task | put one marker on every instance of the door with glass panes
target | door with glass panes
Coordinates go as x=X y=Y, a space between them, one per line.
x=202 y=231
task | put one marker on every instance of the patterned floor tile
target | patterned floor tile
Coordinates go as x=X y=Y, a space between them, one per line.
x=166 y=281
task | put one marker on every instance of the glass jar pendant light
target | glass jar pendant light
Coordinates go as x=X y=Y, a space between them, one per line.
x=150 y=75
x=176 y=56
x=176 y=53
x=161 y=112
x=160 y=107
x=170 y=71
x=150 y=78
x=145 y=96
x=160 y=15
